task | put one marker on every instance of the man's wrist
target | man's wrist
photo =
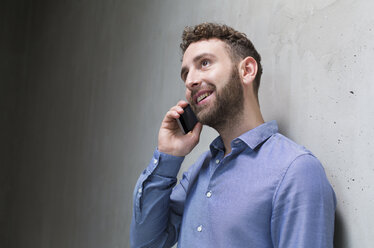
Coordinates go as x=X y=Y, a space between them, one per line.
x=165 y=164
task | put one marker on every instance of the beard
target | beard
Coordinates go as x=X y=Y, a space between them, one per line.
x=227 y=107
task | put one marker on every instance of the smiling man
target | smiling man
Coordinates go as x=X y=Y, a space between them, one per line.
x=254 y=187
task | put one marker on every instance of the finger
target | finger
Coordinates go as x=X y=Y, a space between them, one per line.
x=196 y=131
x=178 y=109
x=171 y=115
x=182 y=103
x=197 y=128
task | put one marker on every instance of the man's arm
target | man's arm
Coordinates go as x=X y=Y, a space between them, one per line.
x=155 y=223
x=156 y=219
x=304 y=206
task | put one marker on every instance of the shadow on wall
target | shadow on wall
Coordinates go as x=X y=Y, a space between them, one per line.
x=339 y=235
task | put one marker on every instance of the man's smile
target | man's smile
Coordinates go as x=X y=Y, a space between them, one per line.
x=201 y=96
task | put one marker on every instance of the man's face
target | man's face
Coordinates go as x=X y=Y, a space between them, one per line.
x=213 y=86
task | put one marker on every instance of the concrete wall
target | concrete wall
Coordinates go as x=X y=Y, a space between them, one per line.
x=13 y=18
x=96 y=77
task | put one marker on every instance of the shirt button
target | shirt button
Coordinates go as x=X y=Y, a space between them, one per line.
x=199 y=228
x=155 y=161
x=209 y=194
x=237 y=142
x=217 y=161
x=140 y=190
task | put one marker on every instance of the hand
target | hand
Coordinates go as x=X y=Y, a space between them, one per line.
x=171 y=139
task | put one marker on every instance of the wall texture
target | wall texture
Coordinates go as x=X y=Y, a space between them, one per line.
x=90 y=81
x=12 y=32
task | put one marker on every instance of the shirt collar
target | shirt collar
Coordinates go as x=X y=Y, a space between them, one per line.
x=251 y=138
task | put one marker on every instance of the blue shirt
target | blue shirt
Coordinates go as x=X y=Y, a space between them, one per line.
x=268 y=192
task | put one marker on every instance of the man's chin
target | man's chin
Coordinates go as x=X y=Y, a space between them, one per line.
x=206 y=117
x=198 y=110
x=206 y=113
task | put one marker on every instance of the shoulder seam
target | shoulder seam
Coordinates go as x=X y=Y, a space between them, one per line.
x=284 y=175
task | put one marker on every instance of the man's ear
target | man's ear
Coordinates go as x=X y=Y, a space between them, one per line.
x=248 y=70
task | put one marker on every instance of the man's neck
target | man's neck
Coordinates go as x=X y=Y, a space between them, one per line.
x=248 y=120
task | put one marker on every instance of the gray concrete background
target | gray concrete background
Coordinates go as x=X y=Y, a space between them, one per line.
x=85 y=84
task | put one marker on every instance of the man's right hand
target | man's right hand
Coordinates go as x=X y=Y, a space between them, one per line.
x=171 y=139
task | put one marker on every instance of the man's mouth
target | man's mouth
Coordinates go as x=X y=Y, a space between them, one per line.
x=202 y=95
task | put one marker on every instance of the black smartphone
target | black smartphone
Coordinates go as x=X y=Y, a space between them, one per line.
x=187 y=120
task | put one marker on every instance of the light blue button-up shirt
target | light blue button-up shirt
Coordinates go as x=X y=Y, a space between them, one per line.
x=268 y=192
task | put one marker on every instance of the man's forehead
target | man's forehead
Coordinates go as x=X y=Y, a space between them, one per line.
x=213 y=46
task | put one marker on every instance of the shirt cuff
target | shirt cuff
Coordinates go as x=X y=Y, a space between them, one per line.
x=166 y=165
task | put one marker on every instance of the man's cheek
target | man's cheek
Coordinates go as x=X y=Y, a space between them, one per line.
x=188 y=97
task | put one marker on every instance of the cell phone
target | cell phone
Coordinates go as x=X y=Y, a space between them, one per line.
x=187 y=120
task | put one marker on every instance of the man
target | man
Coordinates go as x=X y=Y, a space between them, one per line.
x=254 y=187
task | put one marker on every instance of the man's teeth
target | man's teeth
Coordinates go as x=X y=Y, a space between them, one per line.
x=201 y=97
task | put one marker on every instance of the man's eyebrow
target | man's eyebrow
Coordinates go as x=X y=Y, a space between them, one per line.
x=196 y=59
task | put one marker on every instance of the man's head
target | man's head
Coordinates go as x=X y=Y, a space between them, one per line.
x=213 y=55
x=238 y=45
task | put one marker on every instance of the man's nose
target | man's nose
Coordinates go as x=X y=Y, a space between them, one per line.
x=193 y=79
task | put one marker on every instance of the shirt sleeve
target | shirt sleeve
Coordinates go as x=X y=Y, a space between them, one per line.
x=304 y=206
x=155 y=221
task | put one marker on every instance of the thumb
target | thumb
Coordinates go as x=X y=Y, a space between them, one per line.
x=196 y=131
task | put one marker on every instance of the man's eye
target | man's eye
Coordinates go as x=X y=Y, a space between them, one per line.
x=205 y=63
x=184 y=76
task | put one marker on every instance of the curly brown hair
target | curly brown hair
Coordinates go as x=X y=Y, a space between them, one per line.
x=239 y=46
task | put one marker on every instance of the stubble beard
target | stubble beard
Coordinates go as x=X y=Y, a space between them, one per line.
x=227 y=107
